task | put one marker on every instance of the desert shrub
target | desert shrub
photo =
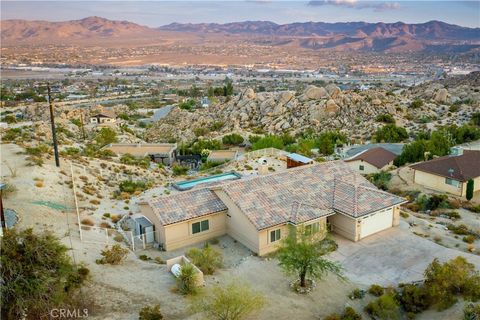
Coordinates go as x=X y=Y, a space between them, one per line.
x=214 y=241
x=106 y=215
x=201 y=131
x=144 y=257
x=350 y=314
x=150 y=313
x=391 y=133
x=414 y=299
x=37 y=274
x=404 y=215
x=186 y=280
x=210 y=164
x=179 y=170
x=115 y=218
x=385 y=118
x=115 y=255
x=106 y=136
x=460 y=229
x=471 y=312
x=469 y=239
x=95 y=202
x=104 y=225
x=206 y=259
x=357 y=294
x=8 y=190
x=269 y=141
x=453 y=215
x=232 y=139
x=380 y=179
x=131 y=186
x=375 y=290
x=473 y=208
x=417 y=103
x=384 y=308
x=118 y=238
x=231 y=301
x=455 y=277
x=39 y=184
x=87 y=222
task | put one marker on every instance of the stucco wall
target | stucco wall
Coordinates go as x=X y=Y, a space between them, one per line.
x=368 y=168
x=238 y=225
x=344 y=226
x=435 y=182
x=180 y=234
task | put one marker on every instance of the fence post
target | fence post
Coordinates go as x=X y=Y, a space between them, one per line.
x=106 y=234
x=143 y=240
x=133 y=240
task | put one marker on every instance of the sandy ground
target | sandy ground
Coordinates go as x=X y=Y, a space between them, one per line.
x=119 y=292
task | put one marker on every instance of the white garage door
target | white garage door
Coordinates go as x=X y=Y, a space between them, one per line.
x=379 y=221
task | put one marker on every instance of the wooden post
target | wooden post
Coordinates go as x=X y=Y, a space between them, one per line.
x=106 y=234
x=143 y=241
x=76 y=202
x=52 y=122
x=133 y=240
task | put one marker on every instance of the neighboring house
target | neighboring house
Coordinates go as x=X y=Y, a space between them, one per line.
x=449 y=173
x=222 y=155
x=297 y=160
x=259 y=211
x=104 y=117
x=205 y=102
x=159 y=152
x=371 y=160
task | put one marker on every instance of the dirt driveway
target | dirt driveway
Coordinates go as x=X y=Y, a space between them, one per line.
x=391 y=257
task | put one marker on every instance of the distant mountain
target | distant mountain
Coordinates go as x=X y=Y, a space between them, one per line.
x=432 y=36
x=432 y=30
x=24 y=31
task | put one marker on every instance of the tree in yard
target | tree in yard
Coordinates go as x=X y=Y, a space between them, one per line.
x=301 y=253
x=106 y=136
x=186 y=279
x=470 y=188
x=37 y=275
x=233 y=301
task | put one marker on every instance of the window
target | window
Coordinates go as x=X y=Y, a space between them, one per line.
x=452 y=182
x=312 y=228
x=361 y=167
x=200 y=226
x=274 y=235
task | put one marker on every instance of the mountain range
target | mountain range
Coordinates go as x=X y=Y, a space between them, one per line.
x=355 y=36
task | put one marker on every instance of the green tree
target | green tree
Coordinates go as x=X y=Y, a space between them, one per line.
x=470 y=188
x=232 y=139
x=37 y=274
x=302 y=254
x=232 y=301
x=475 y=120
x=206 y=259
x=269 y=141
x=391 y=133
x=106 y=136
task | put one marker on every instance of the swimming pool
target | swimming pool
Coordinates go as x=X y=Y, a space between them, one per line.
x=189 y=184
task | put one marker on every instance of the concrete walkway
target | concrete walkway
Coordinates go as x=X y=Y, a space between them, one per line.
x=391 y=257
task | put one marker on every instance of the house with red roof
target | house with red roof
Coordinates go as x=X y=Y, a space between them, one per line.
x=371 y=160
x=450 y=173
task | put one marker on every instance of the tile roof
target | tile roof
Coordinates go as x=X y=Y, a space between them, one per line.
x=299 y=158
x=462 y=167
x=186 y=205
x=141 y=149
x=296 y=196
x=323 y=188
x=378 y=157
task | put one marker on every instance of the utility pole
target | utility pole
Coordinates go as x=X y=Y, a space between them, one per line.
x=83 y=127
x=52 y=121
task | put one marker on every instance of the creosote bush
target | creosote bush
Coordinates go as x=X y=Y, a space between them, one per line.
x=115 y=255
x=375 y=290
x=206 y=259
x=150 y=313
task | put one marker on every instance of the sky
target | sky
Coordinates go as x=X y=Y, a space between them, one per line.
x=158 y=13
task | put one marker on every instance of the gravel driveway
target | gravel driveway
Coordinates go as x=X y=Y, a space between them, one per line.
x=391 y=256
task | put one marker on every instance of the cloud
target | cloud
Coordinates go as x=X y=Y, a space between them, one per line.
x=376 y=5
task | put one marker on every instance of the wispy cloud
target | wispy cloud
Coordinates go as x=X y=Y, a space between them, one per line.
x=376 y=5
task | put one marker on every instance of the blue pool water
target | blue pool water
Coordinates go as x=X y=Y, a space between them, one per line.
x=185 y=185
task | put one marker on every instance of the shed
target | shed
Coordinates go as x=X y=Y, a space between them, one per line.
x=297 y=160
x=144 y=226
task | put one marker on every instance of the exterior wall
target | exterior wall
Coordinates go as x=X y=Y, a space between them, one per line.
x=180 y=234
x=265 y=246
x=438 y=183
x=396 y=216
x=476 y=186
x=345 y=226
x=368 y=168
x=238 y=225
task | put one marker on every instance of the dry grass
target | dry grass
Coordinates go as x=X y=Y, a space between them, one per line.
x=39 y=184
x=95 y=202
x=87 y=222
x=104 y=225
x=115 y=218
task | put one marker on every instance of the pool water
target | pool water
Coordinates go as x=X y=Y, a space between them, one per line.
x=186 y=185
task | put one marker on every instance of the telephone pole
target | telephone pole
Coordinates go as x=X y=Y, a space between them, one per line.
x=52 y=121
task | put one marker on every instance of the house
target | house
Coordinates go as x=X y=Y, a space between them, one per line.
x=371 y=160
x=104 y=117
x=450 y=173
x=296 y=160
x=222 y=155
x=258 y=211
x=205 y=102
x=164 y=153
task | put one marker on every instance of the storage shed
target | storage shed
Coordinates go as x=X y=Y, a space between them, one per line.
x=297 y=160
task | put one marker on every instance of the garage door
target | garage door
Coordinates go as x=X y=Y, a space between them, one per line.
x=379 y=221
